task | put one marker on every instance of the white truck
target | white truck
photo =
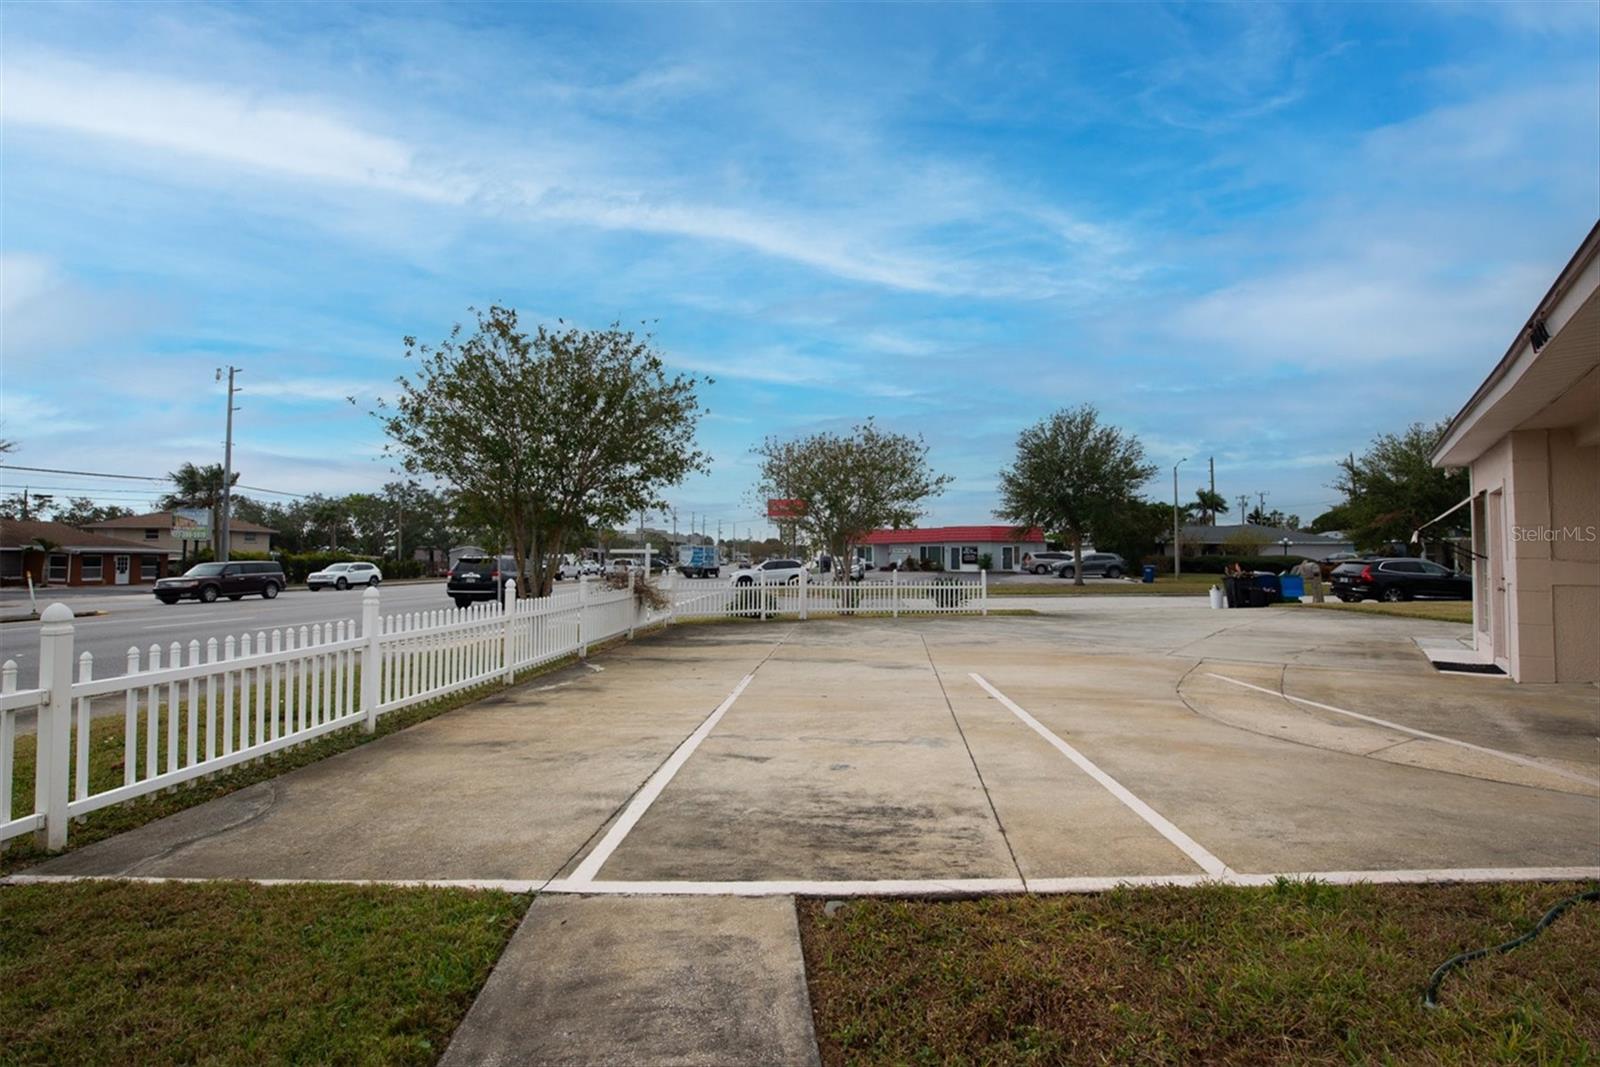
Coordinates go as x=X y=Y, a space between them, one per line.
x=698 y=561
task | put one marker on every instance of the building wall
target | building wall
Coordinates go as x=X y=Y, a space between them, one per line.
x=1537 y=610
x=882 y=555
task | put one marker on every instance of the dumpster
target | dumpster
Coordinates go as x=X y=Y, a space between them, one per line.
x=1149 y=573
x=1294 y=586
x=1265 y=589
x=1238 y=591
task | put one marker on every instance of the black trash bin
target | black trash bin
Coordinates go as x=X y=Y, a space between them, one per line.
x=1238 y=590
x=1265 y=589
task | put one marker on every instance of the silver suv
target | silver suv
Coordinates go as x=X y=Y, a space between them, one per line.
x=1044 y=562
x=1107 y=564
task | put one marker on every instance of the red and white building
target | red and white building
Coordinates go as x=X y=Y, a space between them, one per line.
x=957 y=548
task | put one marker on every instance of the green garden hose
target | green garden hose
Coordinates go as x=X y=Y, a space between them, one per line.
x=1431 y=997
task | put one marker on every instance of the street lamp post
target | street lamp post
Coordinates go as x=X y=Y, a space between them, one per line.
x=1177 y=563
x=1285 y=542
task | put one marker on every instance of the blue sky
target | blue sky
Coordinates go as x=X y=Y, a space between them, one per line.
x=1252 y=232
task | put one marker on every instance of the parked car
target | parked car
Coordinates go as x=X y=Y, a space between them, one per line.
x=771 y=572
x=1108 y=564
x=573 y=570
x=1332 y=563
x=1398 y=578
x=344 y=575
x=478 y=578
x=1045 y=562
x=206 y=582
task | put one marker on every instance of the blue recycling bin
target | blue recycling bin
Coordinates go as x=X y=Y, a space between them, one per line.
x=1294 y=586
x=1265 y=589
x=1149 y=573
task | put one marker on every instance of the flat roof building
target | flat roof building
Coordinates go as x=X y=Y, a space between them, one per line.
x=956 y=548
x=1530 y=438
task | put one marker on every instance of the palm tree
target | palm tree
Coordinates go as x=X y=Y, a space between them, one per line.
x=44 y=546
x=199 y=487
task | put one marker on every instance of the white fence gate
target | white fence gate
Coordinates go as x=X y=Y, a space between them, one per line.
x=194 y=710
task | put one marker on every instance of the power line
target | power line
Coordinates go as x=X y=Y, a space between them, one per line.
x=136 y=478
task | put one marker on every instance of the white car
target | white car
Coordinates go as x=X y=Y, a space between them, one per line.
x=344 y=575
x=771 y=572
x=573 y=571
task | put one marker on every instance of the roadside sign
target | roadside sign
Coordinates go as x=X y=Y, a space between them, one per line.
x=779 y=508
x=191 y=533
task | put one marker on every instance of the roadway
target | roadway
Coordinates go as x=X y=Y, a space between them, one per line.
x=136 y=618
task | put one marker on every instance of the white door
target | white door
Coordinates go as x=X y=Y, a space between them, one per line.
x=121 y=569
x=1498 y=633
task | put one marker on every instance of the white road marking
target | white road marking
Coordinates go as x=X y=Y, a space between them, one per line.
x=888 y=887
x=652 y=789
x=1509 y=756
x=1186 y=844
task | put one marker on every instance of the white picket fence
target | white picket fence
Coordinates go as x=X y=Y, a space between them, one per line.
x=196 y=710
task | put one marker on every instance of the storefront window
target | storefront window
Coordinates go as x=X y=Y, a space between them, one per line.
x=93 y=568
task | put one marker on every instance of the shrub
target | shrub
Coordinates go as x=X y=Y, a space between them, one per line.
x=1219 y=563
x=985 y=561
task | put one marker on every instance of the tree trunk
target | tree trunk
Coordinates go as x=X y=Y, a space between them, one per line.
x=1077 y=557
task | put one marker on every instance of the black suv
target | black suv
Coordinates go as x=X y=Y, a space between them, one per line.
x=477 y=578
x=1398 y=578
x=206 y=582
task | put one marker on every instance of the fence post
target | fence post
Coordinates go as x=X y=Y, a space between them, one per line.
x=671 y=586
x=371 y=659
x=509 y=644
x=583 y=613
x=983 y=591
x=53 y=754
x=803 y=586
x=633 y=599
x=762 y=594
x=894 y=595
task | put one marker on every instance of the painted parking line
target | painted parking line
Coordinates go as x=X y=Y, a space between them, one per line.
x=652 y=789
x=1508 y=756
x=1186 y=844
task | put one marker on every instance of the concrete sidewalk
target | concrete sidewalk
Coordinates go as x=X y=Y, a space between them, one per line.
x=645 y=980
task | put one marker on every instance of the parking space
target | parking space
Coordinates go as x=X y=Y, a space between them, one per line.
x=1110 y=742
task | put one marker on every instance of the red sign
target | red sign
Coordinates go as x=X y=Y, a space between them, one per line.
x=779 y=509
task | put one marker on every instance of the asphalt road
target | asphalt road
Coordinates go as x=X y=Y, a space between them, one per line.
x=138 y=618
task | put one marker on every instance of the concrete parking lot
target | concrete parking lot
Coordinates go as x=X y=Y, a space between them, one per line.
x=671 y=797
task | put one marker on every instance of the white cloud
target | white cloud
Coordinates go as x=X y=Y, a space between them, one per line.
x=295 y=138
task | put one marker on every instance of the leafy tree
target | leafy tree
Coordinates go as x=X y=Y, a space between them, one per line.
x=1073 y=474
x=851 y=484
x=1393 y=488
x=199 y=487
x=545 y=434
x=1208 y=505
x=81 y=511
x=26 y=506
x=1132 y=532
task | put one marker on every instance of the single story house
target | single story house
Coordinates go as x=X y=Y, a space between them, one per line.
x=957 y=548
x=167 y=530
x=1530 y=438
x=1202 y=540
x=54 y=553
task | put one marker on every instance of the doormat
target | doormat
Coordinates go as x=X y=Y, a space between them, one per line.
x=1469 y=668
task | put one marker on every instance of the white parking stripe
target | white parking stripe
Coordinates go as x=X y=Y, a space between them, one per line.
x=1186 y=844
x=1509 y=756
x=652 y=789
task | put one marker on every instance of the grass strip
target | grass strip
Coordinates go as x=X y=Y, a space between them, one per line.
x=1437 y=610
x=230 y=972
x=1300 y=972
x=1164 y=585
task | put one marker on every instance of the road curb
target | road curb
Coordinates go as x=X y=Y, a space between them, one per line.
x=31 y=617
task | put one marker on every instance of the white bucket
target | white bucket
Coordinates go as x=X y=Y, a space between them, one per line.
x=1217 y=599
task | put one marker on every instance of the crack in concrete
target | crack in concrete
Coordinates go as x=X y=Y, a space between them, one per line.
x=259 y=812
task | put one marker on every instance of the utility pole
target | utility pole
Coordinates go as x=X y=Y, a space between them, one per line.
x=719 y=531
x=1244 y=506
x=1177 y=561
x=221 y=535
x=1211 y=513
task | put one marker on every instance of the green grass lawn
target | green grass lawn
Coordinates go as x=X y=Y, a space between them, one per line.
x=229 y=972
x=1164 y=585
x=1300 y=973
x=1437 y=610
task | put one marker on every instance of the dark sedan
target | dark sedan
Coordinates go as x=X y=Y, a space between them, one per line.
x=1399 y=578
